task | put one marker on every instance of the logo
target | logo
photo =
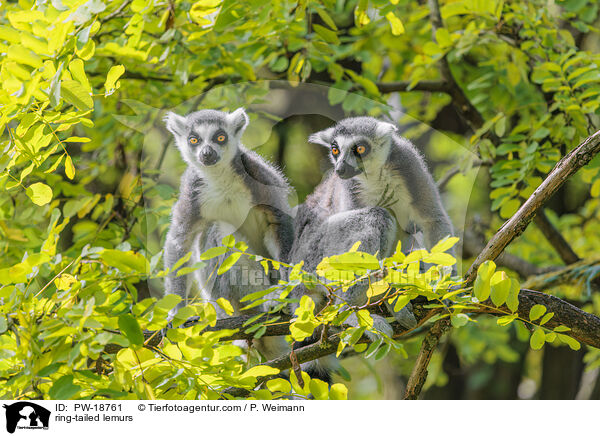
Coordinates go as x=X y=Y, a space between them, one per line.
x=26 y=415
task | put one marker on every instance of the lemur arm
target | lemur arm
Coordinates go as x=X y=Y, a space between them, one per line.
x=186 y=224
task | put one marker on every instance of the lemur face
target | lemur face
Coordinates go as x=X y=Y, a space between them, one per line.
x=356 y=145
x=208 y=137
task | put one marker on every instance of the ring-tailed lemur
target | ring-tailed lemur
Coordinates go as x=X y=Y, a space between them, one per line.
x=226 y=189
x=377 y=167
x=375 y=170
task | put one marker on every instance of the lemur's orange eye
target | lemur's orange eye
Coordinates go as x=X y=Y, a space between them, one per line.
x=221 y=138
x=335 y=151
x=361 y=149
x=193 y=140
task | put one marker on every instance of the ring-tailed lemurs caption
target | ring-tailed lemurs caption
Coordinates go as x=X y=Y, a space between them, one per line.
x=226 y=189
x=375 y=171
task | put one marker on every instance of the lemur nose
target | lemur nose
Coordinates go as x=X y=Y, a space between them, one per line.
x=345 y=170
x=208 y=156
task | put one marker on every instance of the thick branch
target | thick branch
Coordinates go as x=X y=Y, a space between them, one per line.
x=555 y=238
x=423 y=85
x=585 y=327
x=419 y=372
x=512 y=228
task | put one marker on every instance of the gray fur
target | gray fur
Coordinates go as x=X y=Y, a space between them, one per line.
x=378 y=197
x=235 y=192
x=393 y=175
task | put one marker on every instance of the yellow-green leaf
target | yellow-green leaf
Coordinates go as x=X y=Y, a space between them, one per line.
x=338 y=392
x=536 y=311
x=64 y=282
x=538 y=338
x=74 y=93
x=110 y=85
x=395 y=23
x=39 y=193
x=225 y=305
x=69 y=168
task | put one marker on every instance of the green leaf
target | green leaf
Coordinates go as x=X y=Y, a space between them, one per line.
x=327 y=34
x=259 y=371
x=383 y=351
x=78 y=73
x=125 y=261
x=401 y=301
x=228 y=241
x=561 y=328
x=507 y=319
x=364 y=318
x=445 y=244
x=536 y=311
x=229 y=262
x=39 y=193
x=69 y=168
x=482 y=282
x=74 y=93
x=572 y=343
x=110 y=85
x=500 y=288
x=512 y=301
x=319 y=389
x=444 y=259
x=279 y=385
x=338 y=392
x=226 y=306
x=213 y=252
x=63 y=388
x=258 y=294
x=395 y=23
x=547 y=317
x=538 y=338
x=131 y=329
x=459 y=320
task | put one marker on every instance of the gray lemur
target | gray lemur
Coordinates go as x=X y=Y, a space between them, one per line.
x=376 y=171
x=226 y=189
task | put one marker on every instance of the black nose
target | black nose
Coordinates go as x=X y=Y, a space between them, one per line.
x=345 y=170
x=208 y=156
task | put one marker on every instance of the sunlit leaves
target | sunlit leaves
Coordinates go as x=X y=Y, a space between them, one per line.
x=538 y=338
x=482 y=282
x=39 y=193
x=536 y=312
x=111 y=83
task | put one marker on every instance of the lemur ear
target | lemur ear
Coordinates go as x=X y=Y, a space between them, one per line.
x=385 y=129
x=175 y=124
x=239 y=120
x=323 y=137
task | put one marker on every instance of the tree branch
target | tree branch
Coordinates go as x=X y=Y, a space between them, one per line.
x=583 y=273
x=419 y=372
x=459 y=99
x=423 y=85
x=585 y=327
x=512 y=228
x=555 y=238
x=474 y=244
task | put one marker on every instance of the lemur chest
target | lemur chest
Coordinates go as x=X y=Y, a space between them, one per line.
x=231 y=203
x=387 y=191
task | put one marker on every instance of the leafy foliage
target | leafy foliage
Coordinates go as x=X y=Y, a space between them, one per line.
x=76 y=255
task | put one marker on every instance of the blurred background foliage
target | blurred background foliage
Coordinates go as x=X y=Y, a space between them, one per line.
x=493 y=97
